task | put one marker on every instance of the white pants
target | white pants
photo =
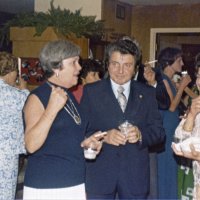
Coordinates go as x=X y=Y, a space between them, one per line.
x=69 y=193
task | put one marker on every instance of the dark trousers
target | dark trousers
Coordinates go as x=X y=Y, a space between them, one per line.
x=119 y=193
x=153 y=194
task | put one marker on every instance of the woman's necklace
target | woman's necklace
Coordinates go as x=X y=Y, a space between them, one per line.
x=70 y=108
x=72 y=111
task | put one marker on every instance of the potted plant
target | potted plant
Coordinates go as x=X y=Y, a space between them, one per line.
x=62 y=23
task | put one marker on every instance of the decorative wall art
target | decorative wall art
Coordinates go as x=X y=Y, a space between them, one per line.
x=31 y=71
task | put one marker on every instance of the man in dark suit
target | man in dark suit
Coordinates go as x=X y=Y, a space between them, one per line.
x=122 y=167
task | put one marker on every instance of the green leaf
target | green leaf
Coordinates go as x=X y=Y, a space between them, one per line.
x=63 y=21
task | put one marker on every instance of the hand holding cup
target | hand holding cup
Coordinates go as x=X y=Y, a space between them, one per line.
x=131 y=132
x=93 y=145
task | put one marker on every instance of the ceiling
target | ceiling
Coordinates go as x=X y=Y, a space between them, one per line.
x=159 y=2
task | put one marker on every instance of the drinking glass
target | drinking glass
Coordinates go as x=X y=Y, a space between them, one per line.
x=90 y=151
x=124 y=126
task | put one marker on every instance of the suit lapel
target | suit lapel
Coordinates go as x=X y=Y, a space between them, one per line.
x=135 y=99
x=134 y=103
x=109 y=97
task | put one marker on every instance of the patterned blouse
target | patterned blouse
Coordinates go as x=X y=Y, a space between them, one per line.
x=11 y=123
x=195 y=132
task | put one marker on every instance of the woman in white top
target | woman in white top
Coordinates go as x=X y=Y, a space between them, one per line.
x=191 y=125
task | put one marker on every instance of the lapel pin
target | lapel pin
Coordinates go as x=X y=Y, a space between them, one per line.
x=140 y=96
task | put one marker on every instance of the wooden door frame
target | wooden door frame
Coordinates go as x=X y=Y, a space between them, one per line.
x=155 y=31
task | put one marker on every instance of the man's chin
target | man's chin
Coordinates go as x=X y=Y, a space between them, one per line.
x=75 y=81
x=121 y=82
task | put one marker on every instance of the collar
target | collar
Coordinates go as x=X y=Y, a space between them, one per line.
x=126 y=87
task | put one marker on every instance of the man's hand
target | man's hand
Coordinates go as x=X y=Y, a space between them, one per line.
x=115 y=137
x=134 y=135
x=149 y=75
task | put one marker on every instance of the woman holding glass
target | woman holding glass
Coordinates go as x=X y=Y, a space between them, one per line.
x=55 y=128
x=190 y=126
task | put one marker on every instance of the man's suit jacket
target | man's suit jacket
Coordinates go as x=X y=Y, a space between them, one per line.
x=128 y=163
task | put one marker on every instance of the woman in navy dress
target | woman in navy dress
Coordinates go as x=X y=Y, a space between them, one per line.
x=170 y=60
x=55 y=129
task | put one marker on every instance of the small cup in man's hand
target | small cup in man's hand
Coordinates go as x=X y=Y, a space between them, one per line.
x=123 y=127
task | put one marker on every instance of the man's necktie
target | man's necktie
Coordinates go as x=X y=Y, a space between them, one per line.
x=121 y=98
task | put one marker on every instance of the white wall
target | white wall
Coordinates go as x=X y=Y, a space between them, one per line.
x=89 y=7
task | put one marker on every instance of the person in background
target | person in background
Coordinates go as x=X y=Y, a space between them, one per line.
x=12 y=99
x=54 y=129
x=190 y=125
x=122 y=167
x=170 y=61
x=91 y=71
x=152 y=76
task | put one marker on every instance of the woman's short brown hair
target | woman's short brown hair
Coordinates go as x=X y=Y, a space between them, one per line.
x=8 y=63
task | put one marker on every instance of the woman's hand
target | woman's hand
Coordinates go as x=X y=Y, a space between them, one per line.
x=184 y=82
x=57 y=99
x=95 y=140
x=195 y=155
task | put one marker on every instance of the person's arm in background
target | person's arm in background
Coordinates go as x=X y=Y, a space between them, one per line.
x=154 y=78
x=193 y=154
x=175 y=100
x=186 y=100
x=190 y=93
x=188 y=126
